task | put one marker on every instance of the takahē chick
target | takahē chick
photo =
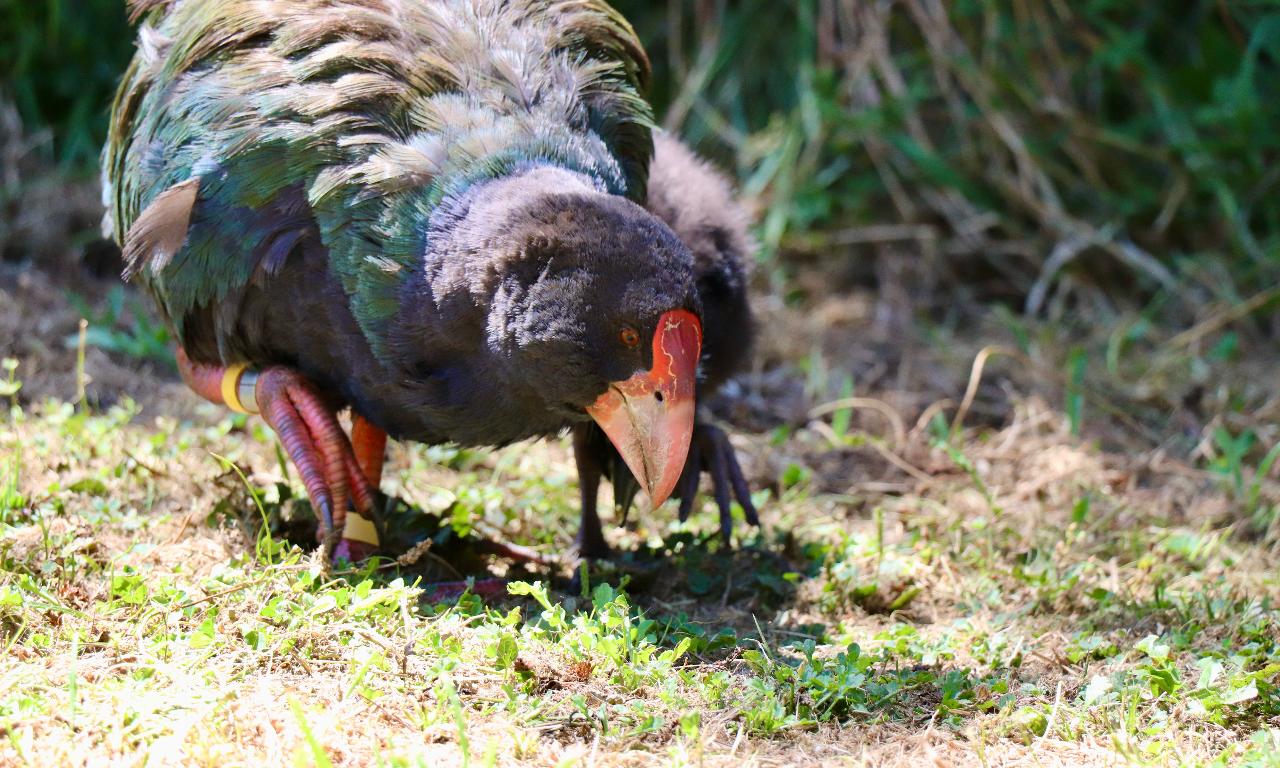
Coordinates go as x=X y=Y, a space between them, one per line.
x=425 y=210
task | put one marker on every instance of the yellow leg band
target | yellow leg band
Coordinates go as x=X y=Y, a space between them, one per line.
x=230 y=387
x=359 y=529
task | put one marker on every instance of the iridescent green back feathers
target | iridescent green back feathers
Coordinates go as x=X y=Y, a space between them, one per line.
x=243 y=127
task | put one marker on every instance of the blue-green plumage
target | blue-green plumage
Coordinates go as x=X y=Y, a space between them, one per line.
x=376 y=110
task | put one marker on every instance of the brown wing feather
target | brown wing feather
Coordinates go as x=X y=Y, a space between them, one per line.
x=160 y=230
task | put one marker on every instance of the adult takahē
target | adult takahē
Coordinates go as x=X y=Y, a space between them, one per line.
x=425 y=210
x=698 y=204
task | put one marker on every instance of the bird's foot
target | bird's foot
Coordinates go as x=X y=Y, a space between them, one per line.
x=590 y=545
x=369 y=445
x=309 y=430
x=307 y=426
x=711 y=452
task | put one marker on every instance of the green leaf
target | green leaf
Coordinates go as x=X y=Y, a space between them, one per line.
x=506 y=652
x=90 y=485
x=1153 y=648
x=535 y=590
x=203 y=636
x=1097 y=690
x=1242 y=694
x=318 y=755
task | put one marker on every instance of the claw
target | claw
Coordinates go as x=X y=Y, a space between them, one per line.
x=709 y=451
x=688 y=485
x=736 y=481
x=325 y=505
x=721 y=491
x=314 y=441
x=713 y=453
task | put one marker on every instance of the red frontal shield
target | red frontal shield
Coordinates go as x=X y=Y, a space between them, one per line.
x=649 y=417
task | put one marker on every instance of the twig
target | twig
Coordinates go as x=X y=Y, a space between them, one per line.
x=1229 y=315
x=492 y=543
x=1053 y=714
x=826 y=431
x=81 y=379
x=975 y=379
x=901 y=463
x=1062 y=254
x=145 y=465
x=293 y=649
x=737 y=740
x=1080 y=237
x=882 y=233
x=216 y=595
x=1144 y=262
x=865 y=403
x=186 y=523
x=936 y=407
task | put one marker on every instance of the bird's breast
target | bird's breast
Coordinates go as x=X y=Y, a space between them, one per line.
x=460 y=405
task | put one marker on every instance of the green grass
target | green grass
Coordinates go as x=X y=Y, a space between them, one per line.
x=987 y=622
x=1016 y=151
x=1051 y=589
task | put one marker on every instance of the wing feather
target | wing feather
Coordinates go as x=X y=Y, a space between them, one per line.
x=160 y=230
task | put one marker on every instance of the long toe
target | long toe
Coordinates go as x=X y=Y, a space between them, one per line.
x=316 y=443
x=711 y=452
x=280 y=413
x=721 y=490
x=741 y=491
x=688 y=485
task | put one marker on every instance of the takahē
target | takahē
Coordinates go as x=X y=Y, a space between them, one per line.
x=430 y=211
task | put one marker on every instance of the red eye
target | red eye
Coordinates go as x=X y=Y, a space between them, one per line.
x=630 y=337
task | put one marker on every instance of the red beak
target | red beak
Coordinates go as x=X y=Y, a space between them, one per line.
x=649 y=417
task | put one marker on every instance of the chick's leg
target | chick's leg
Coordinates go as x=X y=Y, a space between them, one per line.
x=711 y=452
x=308 y=428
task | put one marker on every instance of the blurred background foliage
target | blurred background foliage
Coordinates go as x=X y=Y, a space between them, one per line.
x=60 y=61
x=1045 y=153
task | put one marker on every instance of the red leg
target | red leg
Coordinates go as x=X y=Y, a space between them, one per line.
x=308 y=428
x=370 y=444
x=369 y=447
x=333 y=468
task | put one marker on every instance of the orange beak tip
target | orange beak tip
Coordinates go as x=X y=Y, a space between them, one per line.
x=649 y=418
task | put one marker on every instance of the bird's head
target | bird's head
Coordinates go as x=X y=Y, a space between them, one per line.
x=593 y=304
